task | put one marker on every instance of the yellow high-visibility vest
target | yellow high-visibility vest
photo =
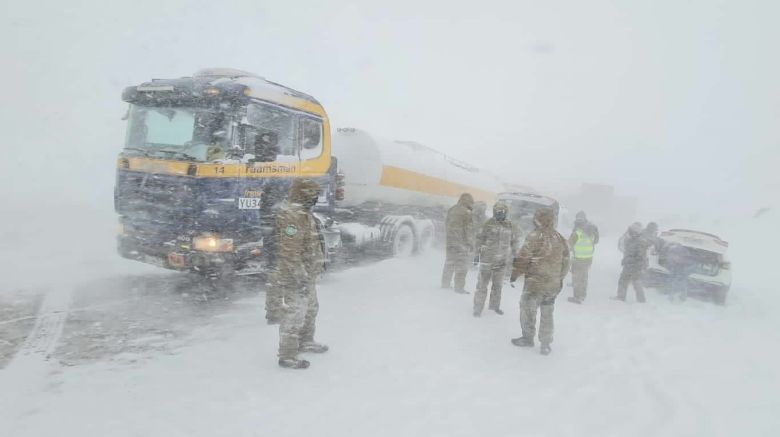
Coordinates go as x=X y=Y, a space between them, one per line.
x=584 y=247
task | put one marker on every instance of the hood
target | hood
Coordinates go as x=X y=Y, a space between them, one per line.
x=635 y=229
x=303 y=190
x=544 y=218
x=466 y=200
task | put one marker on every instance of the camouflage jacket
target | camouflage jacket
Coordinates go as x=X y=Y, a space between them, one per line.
x=460 y=233
x=635 y=252
x=496 y=241
x=478 y=220
x=299 y=258
x=543 y=259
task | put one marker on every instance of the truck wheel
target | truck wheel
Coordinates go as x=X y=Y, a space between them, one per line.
x=403 y=242
x=719 y=296
x=425 y=240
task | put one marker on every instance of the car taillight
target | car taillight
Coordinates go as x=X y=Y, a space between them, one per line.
x=340 y=186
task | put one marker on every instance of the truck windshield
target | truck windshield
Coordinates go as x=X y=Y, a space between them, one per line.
x=176 y=133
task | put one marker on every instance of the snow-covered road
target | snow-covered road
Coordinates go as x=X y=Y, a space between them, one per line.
x=140 y=353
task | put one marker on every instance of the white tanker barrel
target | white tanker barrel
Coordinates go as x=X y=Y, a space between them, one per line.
x=405 y=173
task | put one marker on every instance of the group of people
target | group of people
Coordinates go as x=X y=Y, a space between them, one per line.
x=543 y=260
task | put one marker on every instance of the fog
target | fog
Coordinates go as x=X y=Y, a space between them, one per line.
x=670 y=102
x=674 y=104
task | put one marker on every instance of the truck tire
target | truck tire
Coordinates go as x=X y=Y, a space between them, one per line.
x=404 y=242
x=719 y=295
x=425 y=238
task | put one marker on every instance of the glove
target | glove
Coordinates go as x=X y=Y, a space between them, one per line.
x=512 y=284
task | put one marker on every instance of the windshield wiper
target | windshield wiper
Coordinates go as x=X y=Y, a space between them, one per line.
x=177 y=153
x=137 y=149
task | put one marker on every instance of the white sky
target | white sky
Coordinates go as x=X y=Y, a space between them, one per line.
x=674 y=101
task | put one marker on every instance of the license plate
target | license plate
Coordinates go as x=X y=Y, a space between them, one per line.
x=176 y=260
x=249 y=203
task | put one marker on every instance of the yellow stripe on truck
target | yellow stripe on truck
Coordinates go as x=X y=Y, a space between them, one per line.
x=408 y=180
x=309 y=168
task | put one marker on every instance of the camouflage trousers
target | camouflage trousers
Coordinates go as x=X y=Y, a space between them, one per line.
x=494 y=274
x=632 y=276
x=456 y=264
x=298 y=321
x=532 y=302
x=274 y=302
x=579 y=277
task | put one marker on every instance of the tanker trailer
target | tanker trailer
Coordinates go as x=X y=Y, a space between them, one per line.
x=393 y=196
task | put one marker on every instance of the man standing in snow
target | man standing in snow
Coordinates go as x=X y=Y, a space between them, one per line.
x=495 y=245
x=634 y=263
x=651 y=235
x=460 y=243
x=300 y=260
x=544 y=260
x=583 y=240
x=478 y=220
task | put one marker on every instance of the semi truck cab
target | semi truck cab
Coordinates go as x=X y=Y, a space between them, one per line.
x=206 y=161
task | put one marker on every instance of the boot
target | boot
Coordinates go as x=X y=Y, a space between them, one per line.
x=574 y=300
x=293 y=363
x=622 y=299
x=545 y=349
x=461 y=291
x=499 y=311
x=313 y=347
x=523 y=342
x=477 y=313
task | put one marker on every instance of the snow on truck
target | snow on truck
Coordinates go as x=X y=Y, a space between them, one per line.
x=208 y=158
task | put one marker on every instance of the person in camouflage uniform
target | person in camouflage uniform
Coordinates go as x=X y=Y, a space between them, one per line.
x=460 y=243
x=634 y=263
x=300 y=259
x=544 y=260
x=271 y=200
x=478 y=219
x=495 y=246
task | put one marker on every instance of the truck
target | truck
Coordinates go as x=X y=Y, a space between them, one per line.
x=209 y=158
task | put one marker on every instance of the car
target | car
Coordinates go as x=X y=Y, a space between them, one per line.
x=706 y=259
x=522 y=207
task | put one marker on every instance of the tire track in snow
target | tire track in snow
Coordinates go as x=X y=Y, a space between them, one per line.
x=24 y=378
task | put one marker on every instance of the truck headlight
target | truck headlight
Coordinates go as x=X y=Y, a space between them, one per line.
x=212 y=243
